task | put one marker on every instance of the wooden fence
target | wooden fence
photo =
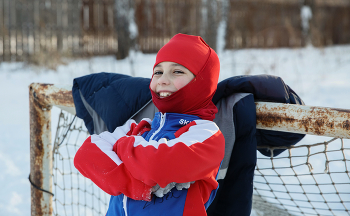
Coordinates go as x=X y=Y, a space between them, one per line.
x=159 y=20
x=36 y=29
x=256 y=24
x=331 y=22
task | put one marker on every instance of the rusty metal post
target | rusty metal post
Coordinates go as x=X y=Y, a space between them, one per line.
x=41 y=99
x=40 y=155
x=320 y=121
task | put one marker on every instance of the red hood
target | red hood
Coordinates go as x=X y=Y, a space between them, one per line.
x=196 y=97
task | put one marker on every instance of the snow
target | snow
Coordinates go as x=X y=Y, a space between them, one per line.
x=320 y=77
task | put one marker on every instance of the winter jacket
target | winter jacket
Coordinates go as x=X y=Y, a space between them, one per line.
x=178 y=148
x=105 y=101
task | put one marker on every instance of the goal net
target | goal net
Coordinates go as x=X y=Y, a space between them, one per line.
x=305 y=180
x=73 y=193
x=308 y=179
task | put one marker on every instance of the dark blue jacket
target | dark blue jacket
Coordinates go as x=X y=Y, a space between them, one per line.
x=107 y=100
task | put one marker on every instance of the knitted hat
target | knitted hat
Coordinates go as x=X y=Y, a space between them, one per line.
x=196 y=97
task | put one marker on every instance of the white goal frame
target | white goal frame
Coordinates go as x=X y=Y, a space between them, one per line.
x=321 y=121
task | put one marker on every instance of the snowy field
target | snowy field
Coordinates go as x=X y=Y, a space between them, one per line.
x=320 y=76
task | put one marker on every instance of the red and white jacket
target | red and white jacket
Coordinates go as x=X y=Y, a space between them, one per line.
x=136 y=157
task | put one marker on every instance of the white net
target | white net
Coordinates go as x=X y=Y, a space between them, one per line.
x=73 y=193
x=304 y=180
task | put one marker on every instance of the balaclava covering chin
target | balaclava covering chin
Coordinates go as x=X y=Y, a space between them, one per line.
x=196 y=97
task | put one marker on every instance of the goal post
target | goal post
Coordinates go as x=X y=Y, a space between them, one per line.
x=301 y=119
x=41 y=99
x=321 y=121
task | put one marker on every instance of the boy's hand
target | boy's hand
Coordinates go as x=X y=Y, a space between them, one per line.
x=160 y=192
x=141 y=128
x=137 y=130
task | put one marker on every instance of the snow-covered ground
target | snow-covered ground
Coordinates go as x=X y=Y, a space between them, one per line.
x=320 y=76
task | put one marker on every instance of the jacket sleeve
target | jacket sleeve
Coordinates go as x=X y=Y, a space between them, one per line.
x=194 y=154
x=96 y=160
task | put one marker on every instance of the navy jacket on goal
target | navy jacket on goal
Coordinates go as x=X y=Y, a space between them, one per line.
x=107 y=100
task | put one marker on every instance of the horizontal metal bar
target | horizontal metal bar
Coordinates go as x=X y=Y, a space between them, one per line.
x=321 y=121
x=54 y=95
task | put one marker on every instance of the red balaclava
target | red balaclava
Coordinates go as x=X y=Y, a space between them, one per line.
x=196 y=97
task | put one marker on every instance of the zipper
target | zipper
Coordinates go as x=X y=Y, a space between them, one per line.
x=162 y=121
x=125 y=199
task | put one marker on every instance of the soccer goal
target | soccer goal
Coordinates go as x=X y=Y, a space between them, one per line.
x=310 y=179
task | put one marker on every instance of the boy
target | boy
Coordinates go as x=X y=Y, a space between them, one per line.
x=167 y=166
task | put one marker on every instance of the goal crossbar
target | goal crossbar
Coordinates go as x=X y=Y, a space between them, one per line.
x=301 y=119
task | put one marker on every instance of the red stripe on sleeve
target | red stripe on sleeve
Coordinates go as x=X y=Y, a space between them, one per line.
x=184 y=129
x=179 y=162
x=106 y=174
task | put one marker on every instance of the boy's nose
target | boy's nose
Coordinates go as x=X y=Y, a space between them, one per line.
x=163 y=80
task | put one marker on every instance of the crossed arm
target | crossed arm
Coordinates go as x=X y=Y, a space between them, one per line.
x=124 y=162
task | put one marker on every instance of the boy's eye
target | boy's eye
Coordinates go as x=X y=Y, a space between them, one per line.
x=178 y=72
x=158 y=72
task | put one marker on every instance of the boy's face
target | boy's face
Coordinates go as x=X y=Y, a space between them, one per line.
x=168 y=77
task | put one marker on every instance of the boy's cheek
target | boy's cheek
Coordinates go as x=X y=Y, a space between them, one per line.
x=153 y=85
